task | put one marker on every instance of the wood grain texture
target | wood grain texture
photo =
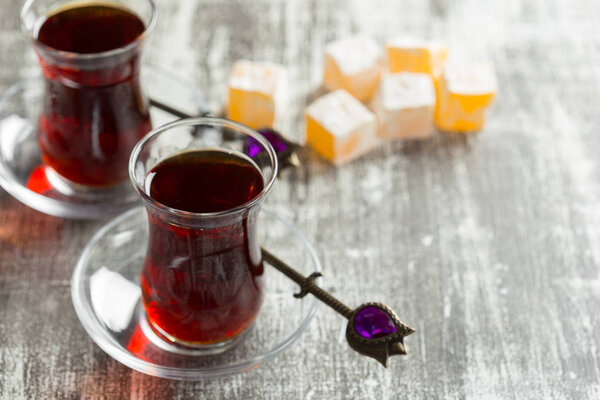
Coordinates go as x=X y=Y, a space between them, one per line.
x=488 y=245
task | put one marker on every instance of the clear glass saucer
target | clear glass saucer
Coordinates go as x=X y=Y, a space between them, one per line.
x=22 y=173
x=106 y=296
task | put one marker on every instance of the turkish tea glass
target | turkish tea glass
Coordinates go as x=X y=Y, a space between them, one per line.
x=202 y=278
x=94 y=110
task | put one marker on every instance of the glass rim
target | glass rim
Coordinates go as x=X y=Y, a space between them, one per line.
x=71 y=55
x=135 y=153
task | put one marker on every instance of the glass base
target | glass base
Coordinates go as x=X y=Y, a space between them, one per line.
x=173 y=345
x=74 y=190
x=106 y=296
x=25 y=177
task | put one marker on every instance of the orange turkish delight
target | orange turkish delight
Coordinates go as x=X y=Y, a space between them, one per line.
x=353 y=64
x=405 y=104
x=257 y=93
x=339 y=127
x=465 y=91
x=414 y=55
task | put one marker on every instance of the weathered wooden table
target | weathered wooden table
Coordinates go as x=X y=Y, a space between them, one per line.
x=488 y=245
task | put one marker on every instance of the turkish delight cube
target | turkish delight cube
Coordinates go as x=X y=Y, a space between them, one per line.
x=353 y=64
x=257 y=93
x=339 y=127
x=465 y=91
x=415 y=55
x=405 y=105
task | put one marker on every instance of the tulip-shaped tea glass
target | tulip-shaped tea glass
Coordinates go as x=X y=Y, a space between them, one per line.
x=93 y=111
x=203 y=181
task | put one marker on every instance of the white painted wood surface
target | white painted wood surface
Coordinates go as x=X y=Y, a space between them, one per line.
x=488 y=245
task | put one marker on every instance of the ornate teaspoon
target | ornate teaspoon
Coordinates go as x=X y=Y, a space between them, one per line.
x=373 y=329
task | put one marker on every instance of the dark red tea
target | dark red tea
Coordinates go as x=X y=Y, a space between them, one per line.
x=202 y=282
x=205 y=181
x=93 y=111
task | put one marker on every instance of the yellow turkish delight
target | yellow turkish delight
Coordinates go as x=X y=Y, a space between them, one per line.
x=414 y=55
x=405 y=104
x=257 y=93
x=465 y=91
x=353 y=64
x=339 y=127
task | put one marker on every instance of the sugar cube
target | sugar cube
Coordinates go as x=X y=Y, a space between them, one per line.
x=353 y=64
x=465 y=91
x=414 y=55
x=257 y=93
x=405 y=105
x=339 y=127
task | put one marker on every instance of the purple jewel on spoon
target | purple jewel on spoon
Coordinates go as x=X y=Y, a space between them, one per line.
x=285 y=149
x=277 y=141
x=372 y=323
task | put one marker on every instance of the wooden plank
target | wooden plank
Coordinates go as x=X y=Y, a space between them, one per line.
x=488 y=244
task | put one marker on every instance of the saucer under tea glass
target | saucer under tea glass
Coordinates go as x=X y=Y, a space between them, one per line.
x=106 y=294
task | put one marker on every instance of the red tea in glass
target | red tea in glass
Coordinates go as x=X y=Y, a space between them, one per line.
x=202 y=285
x=93 y=110
x=202 y=278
